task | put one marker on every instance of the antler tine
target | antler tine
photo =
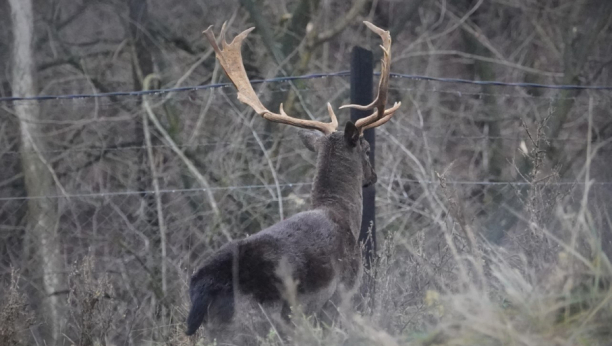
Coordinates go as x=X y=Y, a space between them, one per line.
x=380 y=116
x=230 y=58
x=388 y=114
x=222 y=34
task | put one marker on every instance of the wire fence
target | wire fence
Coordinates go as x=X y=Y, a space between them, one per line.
x=270 y=138
x=101 y=143
x=518 y=137
x=304 y=77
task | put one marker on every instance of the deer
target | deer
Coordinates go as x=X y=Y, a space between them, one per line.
x=319 y=246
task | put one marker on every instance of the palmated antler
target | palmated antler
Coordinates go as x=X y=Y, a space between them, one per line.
x=230 y=59
x=381 y=115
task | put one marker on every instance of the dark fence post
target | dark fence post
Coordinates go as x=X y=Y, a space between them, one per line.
x=362 y=70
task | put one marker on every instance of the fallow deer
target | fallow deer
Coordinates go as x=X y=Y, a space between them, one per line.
x=320 y=245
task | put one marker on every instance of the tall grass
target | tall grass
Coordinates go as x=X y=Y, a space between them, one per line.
x=15 y=315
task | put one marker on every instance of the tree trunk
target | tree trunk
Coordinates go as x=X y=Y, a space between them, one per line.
x=42 y=222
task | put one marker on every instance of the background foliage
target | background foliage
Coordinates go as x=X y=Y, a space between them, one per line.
x=493 y=201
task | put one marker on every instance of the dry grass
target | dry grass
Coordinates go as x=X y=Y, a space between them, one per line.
x=15 y=314
x=90 y=302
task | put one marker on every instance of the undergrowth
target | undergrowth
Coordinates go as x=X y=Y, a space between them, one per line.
x=15 y=314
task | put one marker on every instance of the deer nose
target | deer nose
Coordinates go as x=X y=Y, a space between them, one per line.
x=374 y=178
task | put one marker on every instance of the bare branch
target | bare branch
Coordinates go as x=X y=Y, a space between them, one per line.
x=160 y=211
x=341 y=24
x=179 y=152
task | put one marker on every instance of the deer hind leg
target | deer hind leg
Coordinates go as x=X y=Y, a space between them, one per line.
x=286 y=312
x=329 y=313
x=254 y=320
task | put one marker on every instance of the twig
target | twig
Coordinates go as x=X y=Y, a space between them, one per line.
x=279 y=196
x=201 y=179
x=47 y=165
x=158 y=202
x=449 y=30
x=196 y=129
x=340 y=25
x=502 y=62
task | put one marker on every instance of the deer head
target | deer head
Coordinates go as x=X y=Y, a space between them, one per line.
x=348 y=147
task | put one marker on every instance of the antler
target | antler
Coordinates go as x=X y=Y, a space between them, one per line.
x=230 y=59
x=381 y=115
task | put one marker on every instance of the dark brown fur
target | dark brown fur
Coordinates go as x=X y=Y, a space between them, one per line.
x=320 y=245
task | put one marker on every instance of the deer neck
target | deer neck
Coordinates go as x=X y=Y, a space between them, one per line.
x=338 y=187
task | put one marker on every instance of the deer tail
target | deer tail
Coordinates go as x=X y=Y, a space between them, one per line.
x=199 y=310
x=212 y=294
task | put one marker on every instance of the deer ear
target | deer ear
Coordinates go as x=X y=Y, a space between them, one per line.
x=351 y=134
x=309 y=138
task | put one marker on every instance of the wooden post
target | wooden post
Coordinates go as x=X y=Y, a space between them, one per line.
x=362 y=70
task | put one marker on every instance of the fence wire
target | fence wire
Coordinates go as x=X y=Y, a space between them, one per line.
x=458 y=119
x=96 y=154
x=303 y=77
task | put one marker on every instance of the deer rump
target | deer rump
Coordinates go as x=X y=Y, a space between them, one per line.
x=320 y=255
